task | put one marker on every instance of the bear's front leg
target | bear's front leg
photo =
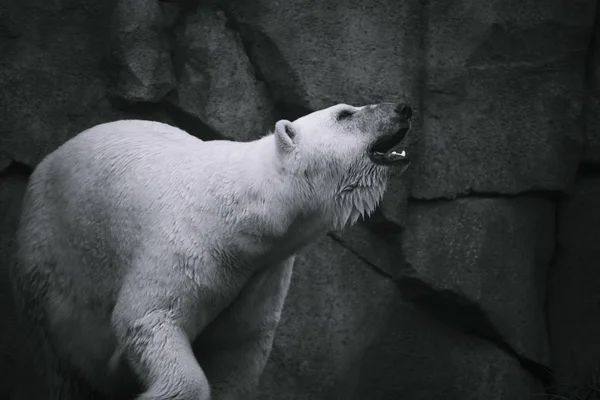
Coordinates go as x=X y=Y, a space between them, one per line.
x=234 y=349
x=152 y=326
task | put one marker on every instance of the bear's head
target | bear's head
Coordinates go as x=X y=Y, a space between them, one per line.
x=342 y=156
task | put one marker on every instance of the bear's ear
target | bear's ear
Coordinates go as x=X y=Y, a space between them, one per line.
x=285 y=135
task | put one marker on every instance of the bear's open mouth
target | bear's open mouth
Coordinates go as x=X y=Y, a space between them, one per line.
x=385 y=152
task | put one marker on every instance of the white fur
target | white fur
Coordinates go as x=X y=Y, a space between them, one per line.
x=343 y=183
x=137 y=222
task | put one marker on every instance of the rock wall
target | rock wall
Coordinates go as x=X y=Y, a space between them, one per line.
x=443 y=293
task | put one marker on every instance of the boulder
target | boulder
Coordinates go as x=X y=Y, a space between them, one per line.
x=482 y=263
x=216 y=83
x=503 y=96
x=141 y=51
x=347 y=333
x=415 y=356
x=52 y=80
x=573 y=309
x=315 y=54
x=13 y=181
x=591 y=153
x=4 y=162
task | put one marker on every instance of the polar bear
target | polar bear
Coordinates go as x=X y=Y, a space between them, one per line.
x=154 y=265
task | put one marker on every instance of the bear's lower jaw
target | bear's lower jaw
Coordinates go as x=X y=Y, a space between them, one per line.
x=390 y=158
x=386 y=151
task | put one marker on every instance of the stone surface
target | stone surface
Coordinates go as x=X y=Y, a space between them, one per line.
x=415 y=357
x=12 y=187
x=573 y=296
x=489 y=256
x=52 y=84
x=503 y=96
x=316 y=54
x=141 y=51
x=591 y=121
x=4 y=162
x=376 y=241
x=347 y=334
x=216 y=82
x=374 y=249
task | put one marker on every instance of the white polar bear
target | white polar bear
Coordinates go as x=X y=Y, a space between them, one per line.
x=150 y=263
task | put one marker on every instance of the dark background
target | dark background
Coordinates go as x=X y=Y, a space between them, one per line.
x=479 y=276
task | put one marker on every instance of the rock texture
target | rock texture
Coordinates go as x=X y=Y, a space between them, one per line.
x=489 y=256
x=573 y=297
x=141 y=51
x=216 y=82
x=52 y=81
x=441 y=294
x=502 y=96
x=591 y=109
x=346 y=333
x=13 y=180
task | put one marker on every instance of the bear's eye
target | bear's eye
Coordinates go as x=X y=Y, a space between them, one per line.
x=344 y=114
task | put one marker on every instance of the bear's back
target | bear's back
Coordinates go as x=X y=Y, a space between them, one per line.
x=100 y=195
x=120 y=159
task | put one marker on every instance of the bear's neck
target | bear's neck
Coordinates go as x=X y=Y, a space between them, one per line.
x=277 y=205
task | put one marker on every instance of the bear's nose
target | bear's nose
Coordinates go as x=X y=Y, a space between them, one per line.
x=403 y=110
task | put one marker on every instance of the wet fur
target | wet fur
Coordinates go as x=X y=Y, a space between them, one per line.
x=136 y=238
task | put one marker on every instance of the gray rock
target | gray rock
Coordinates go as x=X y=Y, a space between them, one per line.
x=316 y=54
x=502 y=96
x=487 y=256
x=141 y=51
x=591 y=149
x=12 y=188
x=414 y=356
x=346 y=334
x=52 y=85
x=371 y=248
x=4 y=162
x=216 y=82
x=10 y=20
x=573 y=308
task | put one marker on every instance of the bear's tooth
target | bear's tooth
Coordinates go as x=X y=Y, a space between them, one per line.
x=395 y=153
